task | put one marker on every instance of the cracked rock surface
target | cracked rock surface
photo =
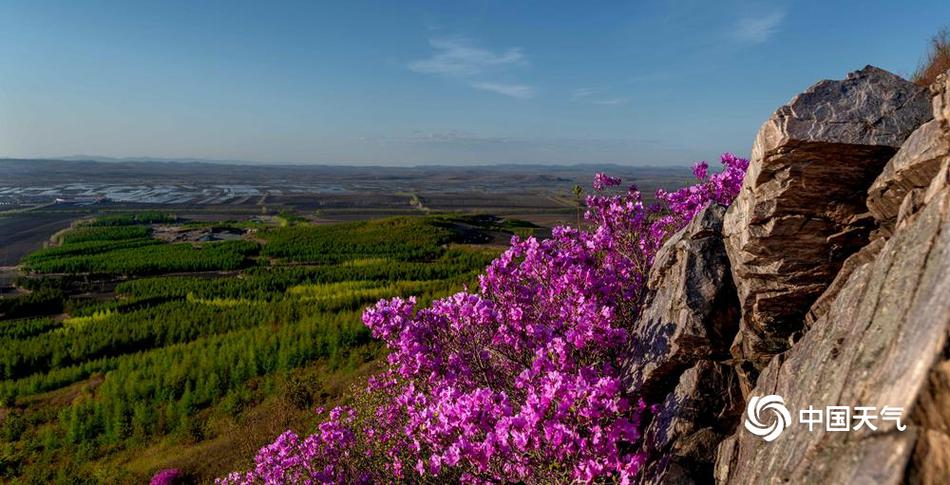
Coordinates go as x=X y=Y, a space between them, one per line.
x=802 y=210
x=882 y=342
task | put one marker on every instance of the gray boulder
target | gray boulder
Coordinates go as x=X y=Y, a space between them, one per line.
x=802 y=208
x=689 y=319
x=690 y=313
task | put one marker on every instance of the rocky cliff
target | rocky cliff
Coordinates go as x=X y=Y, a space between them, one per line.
x=827 y=284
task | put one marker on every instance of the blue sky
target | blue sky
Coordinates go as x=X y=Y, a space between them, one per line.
x=428 y=82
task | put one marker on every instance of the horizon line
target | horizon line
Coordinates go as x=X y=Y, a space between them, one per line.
x=188 y=160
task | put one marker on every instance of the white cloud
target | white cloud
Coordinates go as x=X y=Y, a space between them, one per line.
x=758 y=29
x=461 y=57
x=611 y=101
x=588 y=95
x=514 y=90
x=582 y=92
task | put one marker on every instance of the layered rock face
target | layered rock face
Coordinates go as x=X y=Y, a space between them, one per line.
x=838 y=250
x=802 y=209
x=876 y=346
x=879 y=336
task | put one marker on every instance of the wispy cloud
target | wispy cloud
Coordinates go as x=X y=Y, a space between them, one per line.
x=612 y=101
x=459 y=138
x=461 y=57
x=583 y=92
x=758 y=29
x=514 y=90
x=466 y=139
x=593 y=96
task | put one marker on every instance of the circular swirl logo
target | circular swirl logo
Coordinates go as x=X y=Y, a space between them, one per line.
x=757 y=407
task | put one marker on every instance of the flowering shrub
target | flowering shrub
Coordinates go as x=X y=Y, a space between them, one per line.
x=518 y=381
x=318 y=458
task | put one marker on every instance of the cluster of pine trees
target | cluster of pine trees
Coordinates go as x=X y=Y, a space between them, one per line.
x=146 y=258
x=399 y=238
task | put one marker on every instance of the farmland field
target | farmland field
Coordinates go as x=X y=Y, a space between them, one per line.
x=22 y=233
x=330 y=192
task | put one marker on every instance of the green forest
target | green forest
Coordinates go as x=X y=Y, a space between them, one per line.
x=123 y=347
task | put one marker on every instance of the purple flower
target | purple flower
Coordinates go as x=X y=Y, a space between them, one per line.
x=602 y=181
x=701 y=170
